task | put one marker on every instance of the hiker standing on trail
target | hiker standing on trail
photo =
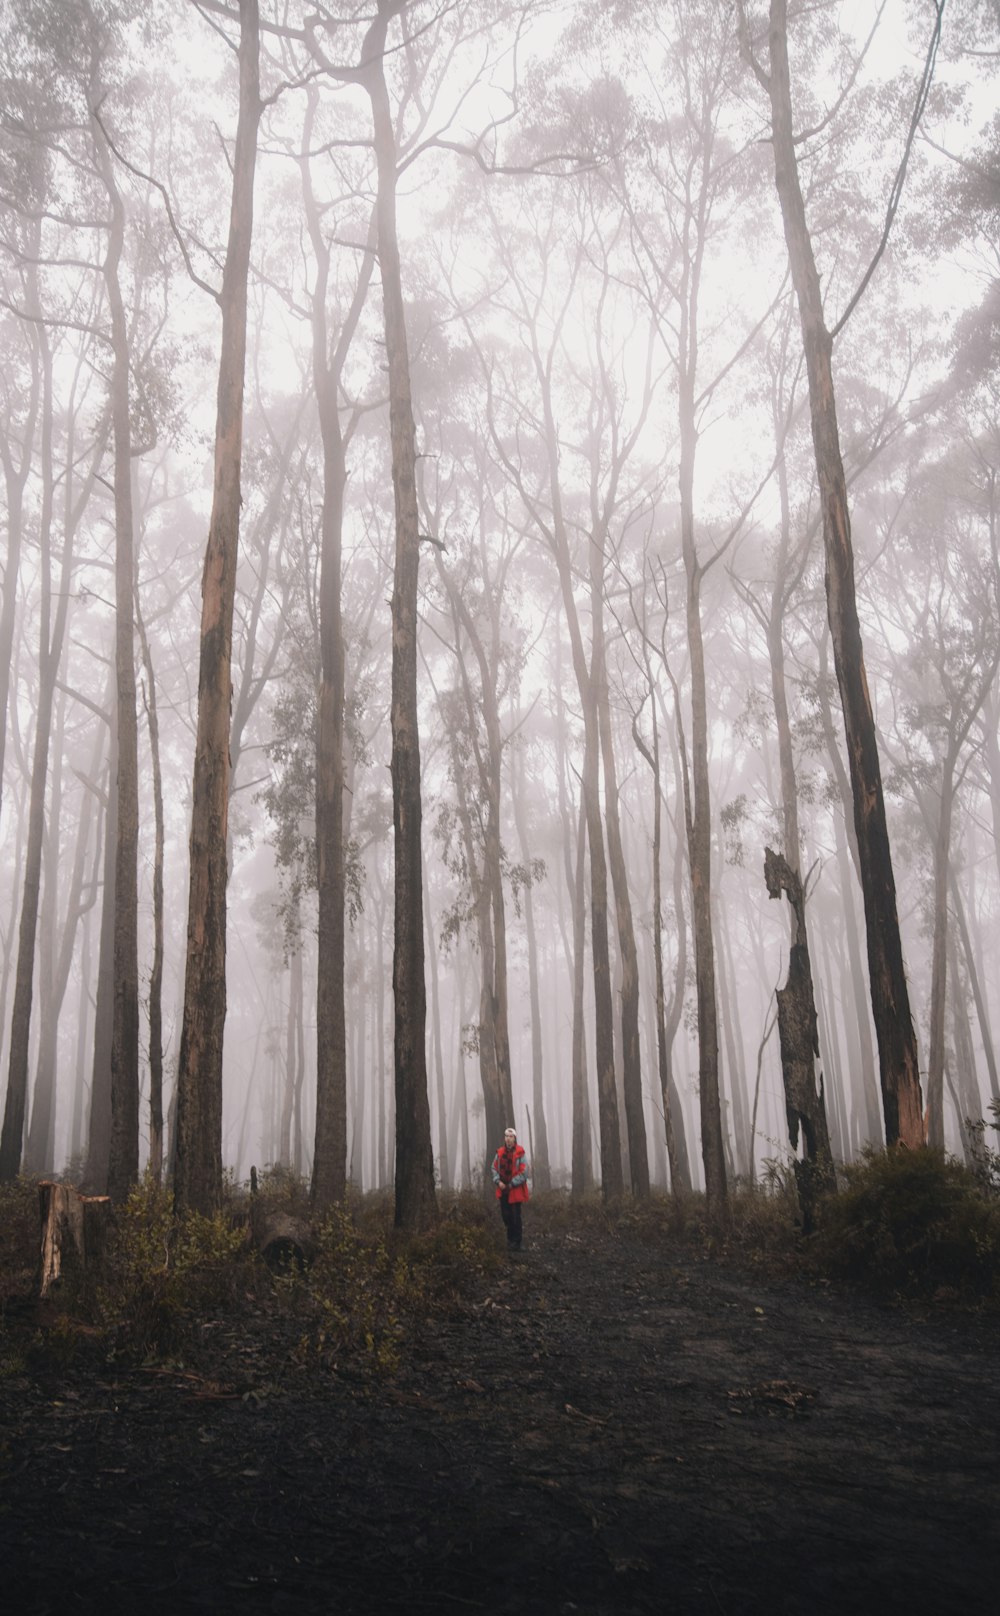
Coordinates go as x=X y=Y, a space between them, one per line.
x=510 y=1175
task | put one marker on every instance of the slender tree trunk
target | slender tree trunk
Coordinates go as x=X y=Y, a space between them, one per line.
x=939 y=956
x=673 y=1124
x=328 y=360
x=416 y=1204
x=156 y=1161
x=541 y=1169
x=635 y=1123
x=52 y=633
x=581 y=1160
x=970 y=1107
x=56 y=962
x=16 y=469
x=975 y=981
x=442 y=1115
x=498 y=1103
x=726 y=987
x=897 y=1045
x=198 y=1165
x=123 y=1161
x=95 y=1178
x=846 y=843
x=330 y=1157
x=699 y=832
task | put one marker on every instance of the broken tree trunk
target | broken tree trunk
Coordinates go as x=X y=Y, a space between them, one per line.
x=74 y=1234
x=805 y=1106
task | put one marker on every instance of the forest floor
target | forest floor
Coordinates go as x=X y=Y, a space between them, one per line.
x=603 y=1424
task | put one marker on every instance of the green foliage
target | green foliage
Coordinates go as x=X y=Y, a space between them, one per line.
x=359 y=1293
x=18 y=1236
x=163 y=1272
x=912 y=1224
x=463 y=1246
x=983 y=1150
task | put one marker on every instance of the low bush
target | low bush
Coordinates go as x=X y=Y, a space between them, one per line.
x=359 y=1294
x=161 y=1272
x=912 y=1223
x=18 y=1237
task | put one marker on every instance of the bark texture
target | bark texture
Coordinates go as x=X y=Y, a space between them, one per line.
x=198 y=1160
x=805 y=1106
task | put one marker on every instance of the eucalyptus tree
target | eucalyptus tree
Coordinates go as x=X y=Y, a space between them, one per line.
x=20 y=388
x=684 y=202
x=475 y=569
x=198 y=1163
x=668 y=1014
x=58 y=944
x=330 y=353
x=766 y=49
x=402 y=52
x=946 y=601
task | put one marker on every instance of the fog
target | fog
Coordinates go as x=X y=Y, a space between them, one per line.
x=630 y=668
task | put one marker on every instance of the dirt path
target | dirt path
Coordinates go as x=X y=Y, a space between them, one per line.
x=611 y=1427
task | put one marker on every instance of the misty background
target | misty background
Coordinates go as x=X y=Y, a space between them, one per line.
x=621 y=564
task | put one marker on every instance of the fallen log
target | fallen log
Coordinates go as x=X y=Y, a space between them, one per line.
x=283 y=1241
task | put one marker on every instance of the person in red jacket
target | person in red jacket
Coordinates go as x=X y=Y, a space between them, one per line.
x=510 y=1175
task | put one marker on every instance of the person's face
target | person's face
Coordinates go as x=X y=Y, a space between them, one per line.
x=510 y=1138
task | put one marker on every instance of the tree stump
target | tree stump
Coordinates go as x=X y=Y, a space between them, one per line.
x=74 y=1233
x=805 y=1105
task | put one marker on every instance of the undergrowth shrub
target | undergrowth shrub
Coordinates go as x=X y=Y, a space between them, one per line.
x=359 y=1292
x=912 y=1223
x=161 y=1273
x=18 y=1236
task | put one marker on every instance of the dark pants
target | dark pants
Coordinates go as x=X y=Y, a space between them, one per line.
x=510 y=1211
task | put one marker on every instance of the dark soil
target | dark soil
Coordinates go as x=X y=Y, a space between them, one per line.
x=609 y=1425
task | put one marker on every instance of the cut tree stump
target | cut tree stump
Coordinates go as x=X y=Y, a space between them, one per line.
x=74 y=1233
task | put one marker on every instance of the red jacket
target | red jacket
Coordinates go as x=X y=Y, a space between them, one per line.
x=510 y=1172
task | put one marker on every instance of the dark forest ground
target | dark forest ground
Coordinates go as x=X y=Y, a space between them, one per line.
x=606 y=1424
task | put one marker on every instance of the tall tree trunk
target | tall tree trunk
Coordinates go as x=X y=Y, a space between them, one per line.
x=939 y=955
x=635 y=1124
x=897 y=1045
x=846 y=843
x=442 y=1116
x=16 y=469
x=156 y=968
x=95 y=1178
x=975 y=981
x=699 y=836
x=52 y=633
x=198 y=1163
x=498 y=1102
x=732 y=1032
x=540 y=1166
x=581 y=1161
x=970 y=1106
x=328 y=360
x=673 y=1122
x=56 y=961
x=123 y=1162
x=416 y=1203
